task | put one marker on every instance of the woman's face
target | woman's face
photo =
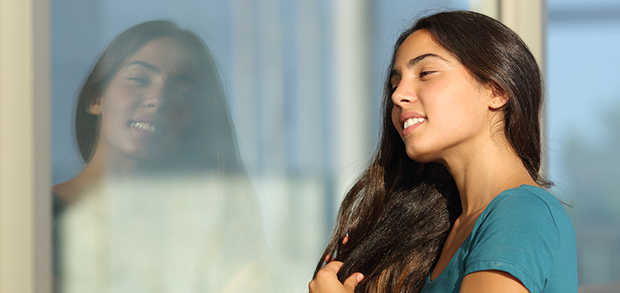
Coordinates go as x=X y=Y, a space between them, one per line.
x=440 y=110
x=145 y=108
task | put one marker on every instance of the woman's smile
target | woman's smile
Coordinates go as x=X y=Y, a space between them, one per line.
x=147 y=127
x=409 y=121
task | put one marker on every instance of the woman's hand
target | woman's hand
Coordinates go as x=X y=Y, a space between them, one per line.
x=326 y=280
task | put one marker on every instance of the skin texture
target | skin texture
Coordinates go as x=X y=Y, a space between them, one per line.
x=463 y=130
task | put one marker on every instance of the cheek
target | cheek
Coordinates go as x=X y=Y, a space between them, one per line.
x=466 y=113
x=181 y=117
x=121 y=101
x=118 y=109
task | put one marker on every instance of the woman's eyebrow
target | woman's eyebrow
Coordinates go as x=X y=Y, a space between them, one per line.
x=147 y=65
x=418 y=59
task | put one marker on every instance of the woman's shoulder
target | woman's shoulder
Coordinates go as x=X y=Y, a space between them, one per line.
x=529 y=197
x=529 y=204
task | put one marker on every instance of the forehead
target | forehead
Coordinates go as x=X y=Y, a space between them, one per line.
x=419 y=43
x=167 y=55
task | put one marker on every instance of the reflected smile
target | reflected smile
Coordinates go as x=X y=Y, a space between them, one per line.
x=146 y=126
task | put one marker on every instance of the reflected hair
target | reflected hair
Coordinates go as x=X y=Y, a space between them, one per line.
x=398 y=214
x=211 y=144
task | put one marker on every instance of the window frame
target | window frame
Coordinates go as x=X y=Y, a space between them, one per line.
x=25 y=173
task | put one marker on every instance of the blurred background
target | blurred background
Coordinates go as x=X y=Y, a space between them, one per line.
x=303 y=84
x=583 y=90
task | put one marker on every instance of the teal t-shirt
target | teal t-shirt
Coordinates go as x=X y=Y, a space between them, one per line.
x=525 y=232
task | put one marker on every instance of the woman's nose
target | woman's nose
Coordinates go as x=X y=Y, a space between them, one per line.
x=154 y=97
x=403 y=95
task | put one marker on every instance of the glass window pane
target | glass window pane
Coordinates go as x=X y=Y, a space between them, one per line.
x=583 y=122
x=220 y=167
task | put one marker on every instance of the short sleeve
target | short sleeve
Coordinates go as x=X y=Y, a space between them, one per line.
x=518 y=235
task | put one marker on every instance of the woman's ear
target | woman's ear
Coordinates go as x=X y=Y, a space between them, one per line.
x=95 y=108
x=498 y=98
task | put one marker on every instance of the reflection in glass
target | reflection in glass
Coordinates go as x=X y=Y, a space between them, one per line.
x=163 y=203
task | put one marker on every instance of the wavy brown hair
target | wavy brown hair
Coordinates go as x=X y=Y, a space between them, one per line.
x=398 y=214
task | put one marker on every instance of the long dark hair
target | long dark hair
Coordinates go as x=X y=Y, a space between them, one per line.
x=211 y=143
x=398 y=214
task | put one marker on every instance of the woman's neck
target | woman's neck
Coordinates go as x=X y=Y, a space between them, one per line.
x=483 y=172
x=101 y=166
x=70 y=191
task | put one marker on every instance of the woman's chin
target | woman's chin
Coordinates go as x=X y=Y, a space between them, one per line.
x=420 y=156
x=154 y=157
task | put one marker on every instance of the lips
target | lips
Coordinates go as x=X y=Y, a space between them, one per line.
x=410 y=120
x=146 y=126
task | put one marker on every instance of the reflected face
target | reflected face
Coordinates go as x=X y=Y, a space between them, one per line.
x=439 y=107
x=146 y=107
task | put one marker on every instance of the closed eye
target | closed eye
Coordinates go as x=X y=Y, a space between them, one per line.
x=140 y=80
x=425 y=73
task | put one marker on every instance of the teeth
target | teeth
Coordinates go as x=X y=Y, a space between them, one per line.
x=148 y=127
x=412 y=121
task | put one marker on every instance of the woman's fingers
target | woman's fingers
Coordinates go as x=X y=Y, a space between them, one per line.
x=327 y=280
x=351 y=282
x=332 y=267
x=328 y=258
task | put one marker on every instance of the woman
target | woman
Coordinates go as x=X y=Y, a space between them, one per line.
x=462 y=98
x=163 y=199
